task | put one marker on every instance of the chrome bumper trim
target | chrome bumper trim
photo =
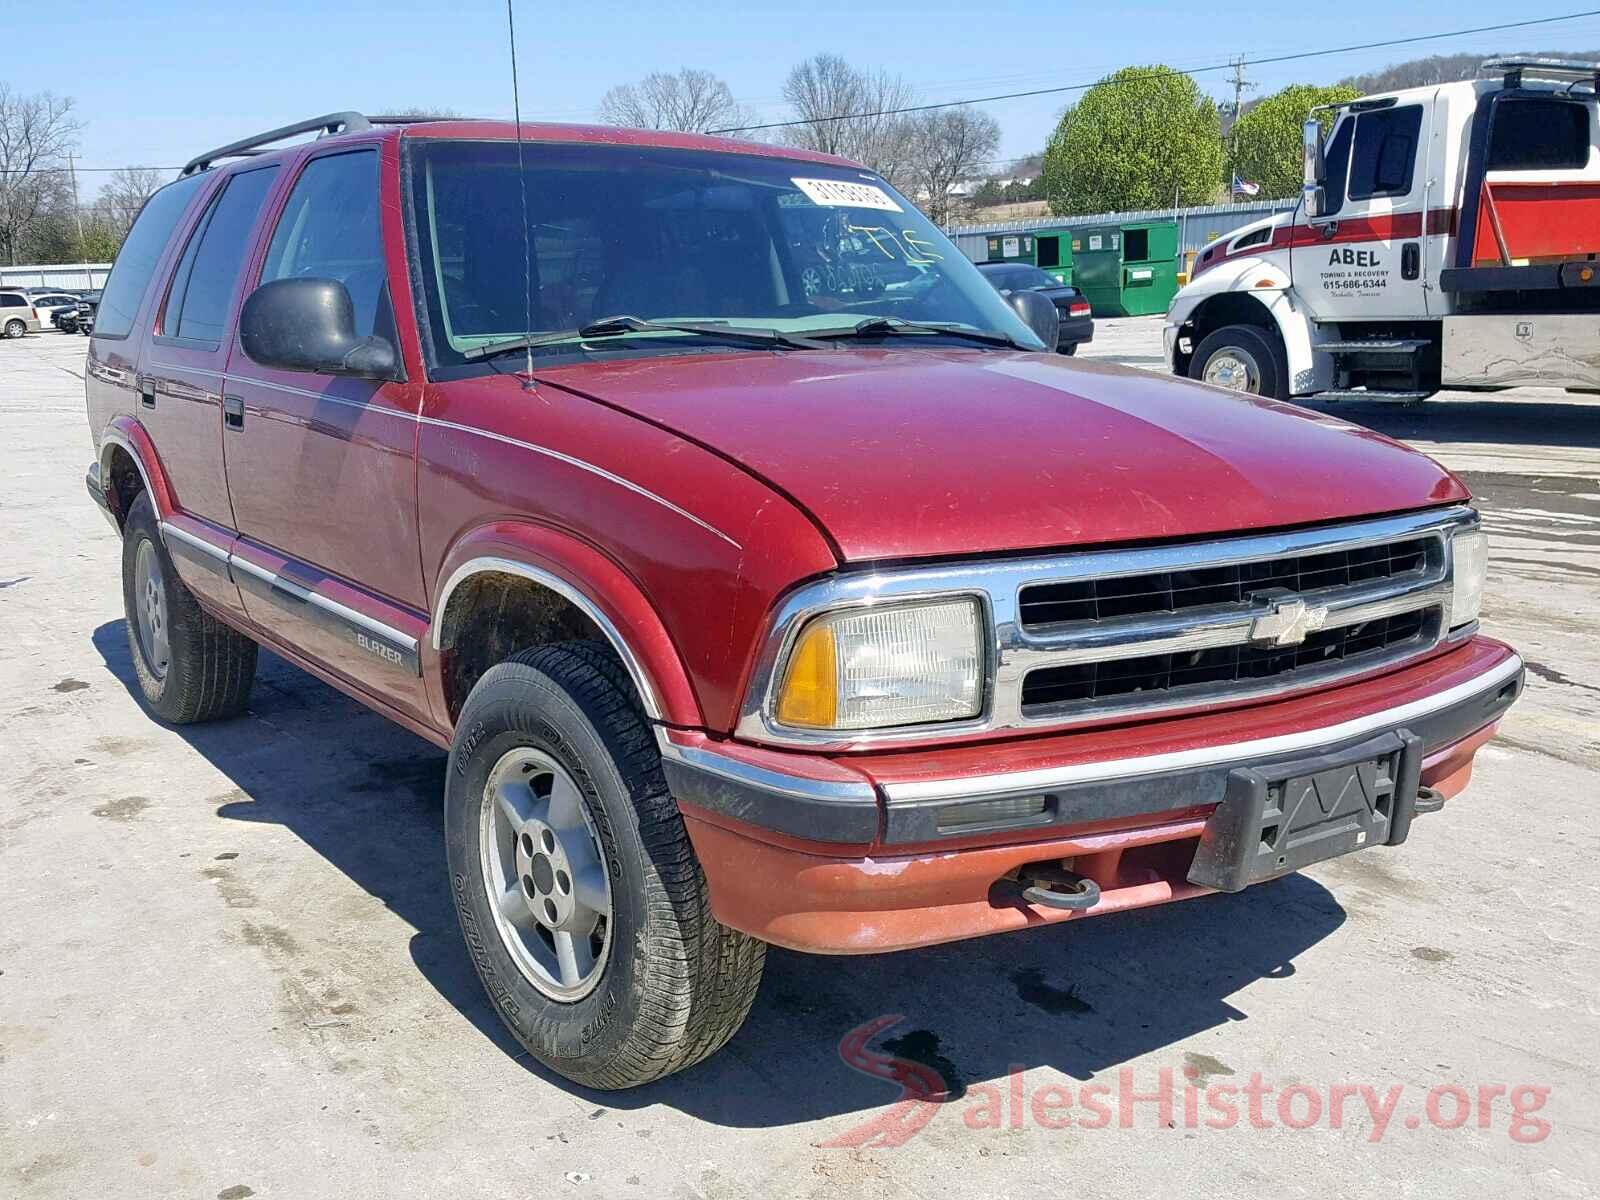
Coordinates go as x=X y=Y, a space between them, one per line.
x=1132 y=768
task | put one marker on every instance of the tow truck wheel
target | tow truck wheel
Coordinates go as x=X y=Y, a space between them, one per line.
x=1242 y=358
x=583 y=905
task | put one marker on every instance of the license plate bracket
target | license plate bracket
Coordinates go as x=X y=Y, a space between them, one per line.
x=1280 y=817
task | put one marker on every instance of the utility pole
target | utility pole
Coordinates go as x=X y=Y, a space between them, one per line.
x=1240 y=84
x=77 y=213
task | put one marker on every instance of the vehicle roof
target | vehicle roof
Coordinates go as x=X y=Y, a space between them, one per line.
x=533 y=133
x=546 y=132
x=1466 y=89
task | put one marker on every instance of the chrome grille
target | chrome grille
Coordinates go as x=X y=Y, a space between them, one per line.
x=1072 y=600
x=1350 y=646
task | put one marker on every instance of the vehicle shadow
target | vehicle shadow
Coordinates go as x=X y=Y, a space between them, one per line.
x=1082 y=1000
x=1509 y=419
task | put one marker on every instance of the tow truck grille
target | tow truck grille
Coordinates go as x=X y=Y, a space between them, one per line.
x=1049 y=604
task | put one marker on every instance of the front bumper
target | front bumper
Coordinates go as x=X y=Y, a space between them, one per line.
x=877 y=852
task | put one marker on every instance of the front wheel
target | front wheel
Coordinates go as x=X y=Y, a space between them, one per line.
x=1242 y=358
x=579 y=894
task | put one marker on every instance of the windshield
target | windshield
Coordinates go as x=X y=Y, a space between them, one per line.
x=672 y=235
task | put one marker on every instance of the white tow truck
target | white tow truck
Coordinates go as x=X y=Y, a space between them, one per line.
x=1447 y=236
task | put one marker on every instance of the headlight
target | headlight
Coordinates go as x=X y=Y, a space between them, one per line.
x=888 y=665
x=1470 y=550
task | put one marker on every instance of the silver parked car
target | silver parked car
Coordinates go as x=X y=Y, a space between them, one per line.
x=17 y=314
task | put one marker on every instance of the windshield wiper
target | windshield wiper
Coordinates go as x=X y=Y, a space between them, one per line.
x=617 y=325
x=874 y=327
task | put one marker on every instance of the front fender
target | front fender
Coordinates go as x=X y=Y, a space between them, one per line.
x=596 y=585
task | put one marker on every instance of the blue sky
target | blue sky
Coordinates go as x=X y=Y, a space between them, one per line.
x=159 y=80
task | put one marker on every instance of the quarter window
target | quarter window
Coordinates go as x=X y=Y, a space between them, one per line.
x=202 y=287
x=330 y=230
x=1385 y=152
x=136 y=261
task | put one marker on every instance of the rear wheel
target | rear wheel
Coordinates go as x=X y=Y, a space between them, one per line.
x=190 y=666
x=1242 y=358
x=579 y=894
x=15 y=329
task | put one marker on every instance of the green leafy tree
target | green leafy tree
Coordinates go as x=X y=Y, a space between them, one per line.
x=1134 y=140
x=1265 y=146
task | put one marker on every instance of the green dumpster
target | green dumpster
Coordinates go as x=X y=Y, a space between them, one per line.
x=1010 y=247
x=1053 y=252
x=1127 y=270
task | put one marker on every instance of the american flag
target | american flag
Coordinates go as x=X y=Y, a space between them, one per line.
x=1243 y=187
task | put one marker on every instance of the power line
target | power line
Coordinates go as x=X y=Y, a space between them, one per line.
x=86 y=170
x=1236 y=65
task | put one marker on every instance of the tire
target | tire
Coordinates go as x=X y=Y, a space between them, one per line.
x=669 y=985
x=1255 y=351
x=15 y=329
x=1070 y=349
x=190 y=666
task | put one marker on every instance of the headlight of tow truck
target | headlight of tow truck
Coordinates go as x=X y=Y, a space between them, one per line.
x=1470 y=554
x=884 y=666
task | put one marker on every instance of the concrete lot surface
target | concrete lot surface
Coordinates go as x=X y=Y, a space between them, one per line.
x=228 y=966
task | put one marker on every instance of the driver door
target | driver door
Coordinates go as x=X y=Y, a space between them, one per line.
x=1362 y=259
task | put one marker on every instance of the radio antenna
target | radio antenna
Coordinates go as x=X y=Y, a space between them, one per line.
x=522 y=183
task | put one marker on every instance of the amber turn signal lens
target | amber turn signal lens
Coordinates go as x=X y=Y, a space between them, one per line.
x=810 y=694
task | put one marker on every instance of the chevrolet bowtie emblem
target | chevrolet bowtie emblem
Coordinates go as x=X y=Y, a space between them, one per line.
x=1288 y=623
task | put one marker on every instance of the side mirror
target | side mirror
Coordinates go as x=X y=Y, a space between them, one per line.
x=1038 y=314
x=310 y=325
x=1314 y=168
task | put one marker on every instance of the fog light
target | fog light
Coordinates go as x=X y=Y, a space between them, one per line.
x=983 y=814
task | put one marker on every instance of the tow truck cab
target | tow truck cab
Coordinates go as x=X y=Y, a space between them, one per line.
x=1446 y=236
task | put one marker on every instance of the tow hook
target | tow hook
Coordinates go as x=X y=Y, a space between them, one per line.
x=1429 y=800
x=1056 y=887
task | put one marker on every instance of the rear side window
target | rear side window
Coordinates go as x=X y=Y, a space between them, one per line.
x=1539 y=135
x=330 y=230
x=1385 y=152
x=136 y=261
x=202 y=287
x=13 y=300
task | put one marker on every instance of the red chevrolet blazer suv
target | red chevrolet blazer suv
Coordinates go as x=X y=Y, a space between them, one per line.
x=765 y=578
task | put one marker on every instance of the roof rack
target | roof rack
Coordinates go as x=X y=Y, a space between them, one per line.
x=340 y=122
x=1553 y=69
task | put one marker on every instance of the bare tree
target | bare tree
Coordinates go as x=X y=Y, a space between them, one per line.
x=692 y=101
x=124 y=195
x=35 y=134
x=949 y=147
x=846 y=111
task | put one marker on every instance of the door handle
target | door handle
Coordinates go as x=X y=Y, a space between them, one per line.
x=1410 y=260
x=233 y=412
x=147 y=393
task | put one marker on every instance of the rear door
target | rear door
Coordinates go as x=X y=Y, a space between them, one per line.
x=1362 y=259
x=180 y=378
x=321 y=469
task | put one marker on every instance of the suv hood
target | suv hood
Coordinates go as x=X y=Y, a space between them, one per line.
x=903 y=453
